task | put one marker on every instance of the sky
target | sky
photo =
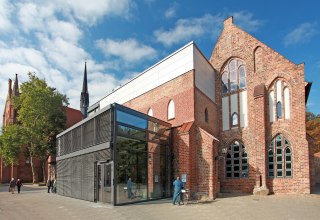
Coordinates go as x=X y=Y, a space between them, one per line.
x=121 y=38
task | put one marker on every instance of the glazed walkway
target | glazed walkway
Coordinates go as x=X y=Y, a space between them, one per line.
x=35 y=203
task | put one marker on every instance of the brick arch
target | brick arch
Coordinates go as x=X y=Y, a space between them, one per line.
x=228 y=60
x=281 y=76
x=255 y=51
x=284 y=134
x=233 y=139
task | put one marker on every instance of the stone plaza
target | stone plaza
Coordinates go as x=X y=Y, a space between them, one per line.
x=35 y=203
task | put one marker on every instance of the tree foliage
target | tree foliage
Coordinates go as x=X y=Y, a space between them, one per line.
x=313 y=128
x=41 y=112
x=10 y=144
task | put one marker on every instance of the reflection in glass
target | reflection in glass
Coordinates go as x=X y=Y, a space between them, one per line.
x=224 y=82
x=131 y=119
x=131 y=163
x=242 y=77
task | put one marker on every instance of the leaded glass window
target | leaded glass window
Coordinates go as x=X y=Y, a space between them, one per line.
x=234 y=95
x=237 y=161
x=279 y=110
x=242 y=77
x=234 y=119
x=279 y=158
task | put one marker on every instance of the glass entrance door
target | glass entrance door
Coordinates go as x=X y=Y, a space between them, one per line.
x=104 y=182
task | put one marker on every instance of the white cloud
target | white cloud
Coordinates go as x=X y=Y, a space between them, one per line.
x=47 y=41
x=90 y=13
x=302 y=33
x=129 y=50
x=187 y=29
x=245 y=20
x=33 y=16
x=65 y=30
x=171 y=12
x=5 y=13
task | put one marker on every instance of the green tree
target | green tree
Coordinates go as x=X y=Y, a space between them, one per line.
x=41 y=112
x=10 y=144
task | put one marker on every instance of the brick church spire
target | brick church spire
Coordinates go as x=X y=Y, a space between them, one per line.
x=16 y=86
x=84 y=99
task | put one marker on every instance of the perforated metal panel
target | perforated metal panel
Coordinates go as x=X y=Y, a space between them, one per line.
x=75 y=177
x=95 y=131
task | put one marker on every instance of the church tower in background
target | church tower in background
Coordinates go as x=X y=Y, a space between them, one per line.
x=84 y=99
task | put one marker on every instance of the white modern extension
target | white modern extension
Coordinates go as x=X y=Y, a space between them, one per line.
x=187 y=58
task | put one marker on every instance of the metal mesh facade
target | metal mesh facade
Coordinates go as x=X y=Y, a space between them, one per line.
x=76 y=175
x=95 y=131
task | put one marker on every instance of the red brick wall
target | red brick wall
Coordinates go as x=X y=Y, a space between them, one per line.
x=264 y=65
x=201 y=103
x=180 y=90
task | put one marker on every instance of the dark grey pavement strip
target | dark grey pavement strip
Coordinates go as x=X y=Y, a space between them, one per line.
x=35 y=203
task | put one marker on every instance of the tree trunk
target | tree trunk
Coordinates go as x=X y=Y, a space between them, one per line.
x=34 y=171
x=43 y=162
x=12 y=175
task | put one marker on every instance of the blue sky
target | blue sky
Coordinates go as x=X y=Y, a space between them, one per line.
x=121 y=38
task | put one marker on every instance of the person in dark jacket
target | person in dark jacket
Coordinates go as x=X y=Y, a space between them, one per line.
x=19 y=184
x=12 y=185
x=49 y=185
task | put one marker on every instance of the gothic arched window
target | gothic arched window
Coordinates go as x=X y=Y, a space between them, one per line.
x=235 y=119
x=279 y=97
x=150 y=112
x=234 y=95
x=237 y=161
x=206 y=116
x=280 y=157
x=171 y=110
x=279 y=110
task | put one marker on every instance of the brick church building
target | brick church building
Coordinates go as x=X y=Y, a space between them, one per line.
x=238 y=121
x=22 y=169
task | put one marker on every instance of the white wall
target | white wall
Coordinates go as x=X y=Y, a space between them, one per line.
x=167 y=69
x=205 y=75
x=286 y=95
x=225 y=113
x=271 y=106
x=243 y=109
x=279 y=91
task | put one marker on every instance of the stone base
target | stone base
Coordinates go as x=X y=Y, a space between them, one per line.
x=261 y=191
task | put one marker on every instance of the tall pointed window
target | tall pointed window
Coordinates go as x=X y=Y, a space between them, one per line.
x=279 y=157
x=279 y=110
x=206 y=117
x=171 y=110
x=234 y=95
x=235 y=119
x=237 y=161
x=150 y=112
x=279 y=101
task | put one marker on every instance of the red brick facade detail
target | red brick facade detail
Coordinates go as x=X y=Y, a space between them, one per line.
x=197 y=151
x=264 y=65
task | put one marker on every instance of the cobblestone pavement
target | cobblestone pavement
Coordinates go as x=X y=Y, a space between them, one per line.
x=35 y=203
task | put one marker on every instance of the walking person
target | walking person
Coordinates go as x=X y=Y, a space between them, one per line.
x=178 y=185
x=12 y=185
x=49 y=185
x=19 y=184
x=129 y=188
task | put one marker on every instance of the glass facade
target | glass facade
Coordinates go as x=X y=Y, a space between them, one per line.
x=141 y=157
x=117 y=156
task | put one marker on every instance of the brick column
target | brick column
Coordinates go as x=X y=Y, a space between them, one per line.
x=260 y=136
